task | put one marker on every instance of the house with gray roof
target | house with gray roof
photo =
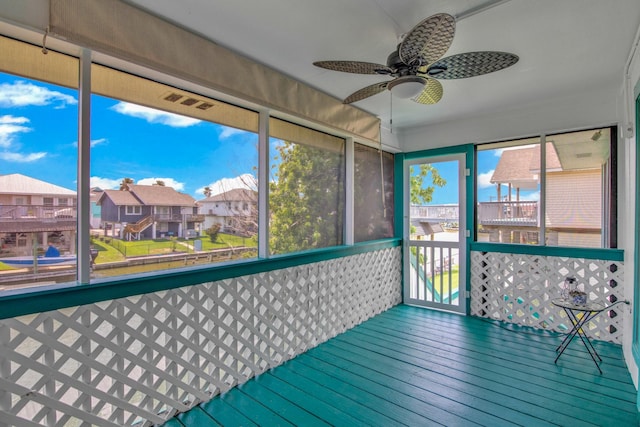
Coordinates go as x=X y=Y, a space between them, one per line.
x=149 y=212
x=35 y=212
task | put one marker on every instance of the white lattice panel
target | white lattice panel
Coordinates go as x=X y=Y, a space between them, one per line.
x=142 y=359
x=519 y=288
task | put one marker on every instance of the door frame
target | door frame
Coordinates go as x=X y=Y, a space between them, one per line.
x=464 y=154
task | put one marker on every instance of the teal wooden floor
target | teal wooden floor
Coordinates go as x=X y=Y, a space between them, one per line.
x=415 y=367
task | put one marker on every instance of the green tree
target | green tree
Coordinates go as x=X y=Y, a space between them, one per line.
x=306 y=198
x=213 y=232
x=421 y=193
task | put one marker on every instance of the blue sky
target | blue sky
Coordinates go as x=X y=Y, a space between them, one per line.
x=38 y=138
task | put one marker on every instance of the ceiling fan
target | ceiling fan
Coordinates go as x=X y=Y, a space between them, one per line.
x=417 y=63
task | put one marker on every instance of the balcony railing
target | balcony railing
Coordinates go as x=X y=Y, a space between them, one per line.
x=178 y=217
x=36 y=212
x=508 y=213
x=443 y=213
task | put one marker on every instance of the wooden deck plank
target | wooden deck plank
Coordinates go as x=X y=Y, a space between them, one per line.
x=539 y=387
x=225 y=414
x=524 y=353
x=242 y=409
x=197 y=417
x=591 y=391
x=173 y=422
x=528 y=357
x=328 y=393
x=507 y=395
x=292 y=413
x=411 y=366
x=298 y=396
x=445 y=394
x=363 y=390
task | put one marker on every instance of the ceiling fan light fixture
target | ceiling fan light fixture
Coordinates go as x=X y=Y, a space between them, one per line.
x=406 y=87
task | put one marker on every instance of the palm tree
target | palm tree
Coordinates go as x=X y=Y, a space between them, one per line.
x=207 y=191
x=124 y=184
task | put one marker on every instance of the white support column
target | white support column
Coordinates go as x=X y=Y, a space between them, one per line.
x=263 y=185
x=84 y=172
x=349 y=193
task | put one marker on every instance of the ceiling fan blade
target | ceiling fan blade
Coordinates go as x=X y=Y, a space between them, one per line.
x=470 y=64
x=366 y=92
x=431 y=94
x=355 y=67
x=428 y=40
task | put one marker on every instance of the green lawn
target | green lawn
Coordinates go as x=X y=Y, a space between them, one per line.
x=106 y=253
x=116 y=250
x=455 y=281
x=226 y=241
x=4 y=266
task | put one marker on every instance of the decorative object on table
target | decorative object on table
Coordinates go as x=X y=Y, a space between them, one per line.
x=568 y=286
x=578 y=297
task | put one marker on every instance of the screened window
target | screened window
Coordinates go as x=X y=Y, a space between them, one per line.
x=162 y=157
x=373 y=193
x=558 y=193
x=306 y=191
x=38 y=163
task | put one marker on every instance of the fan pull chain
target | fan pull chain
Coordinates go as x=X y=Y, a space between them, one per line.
x=382 y=192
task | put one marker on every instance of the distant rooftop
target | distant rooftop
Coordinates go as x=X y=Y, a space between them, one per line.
x=16 y=183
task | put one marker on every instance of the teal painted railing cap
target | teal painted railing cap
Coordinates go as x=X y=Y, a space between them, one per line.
x=54 y=297
x=569 y=252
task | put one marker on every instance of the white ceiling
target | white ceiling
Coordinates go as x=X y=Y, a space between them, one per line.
x=564 y=46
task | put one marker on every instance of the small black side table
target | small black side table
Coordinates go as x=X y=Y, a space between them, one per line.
x=579 y=315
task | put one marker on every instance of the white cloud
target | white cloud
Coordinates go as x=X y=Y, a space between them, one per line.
x=9 y=127
x=246 y=180
x=152 y=115
x=22 y=94
x=104 y=183
x=228 y=132
x=93 y=142
x=21 y=158
x=484 y=179
x=168 y=182
x=98 y=141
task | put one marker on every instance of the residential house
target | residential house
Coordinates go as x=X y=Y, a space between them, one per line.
x=149 y=212
x=235 y=211
x=574 y=193
x=35 y=214
x=96 y=216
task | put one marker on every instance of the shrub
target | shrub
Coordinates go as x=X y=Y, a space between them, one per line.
x=212 y=232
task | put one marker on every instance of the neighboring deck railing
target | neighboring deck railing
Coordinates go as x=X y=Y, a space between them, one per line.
x=36 y=212
x=508 y=213
x=441 y=213
x=140 y=359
